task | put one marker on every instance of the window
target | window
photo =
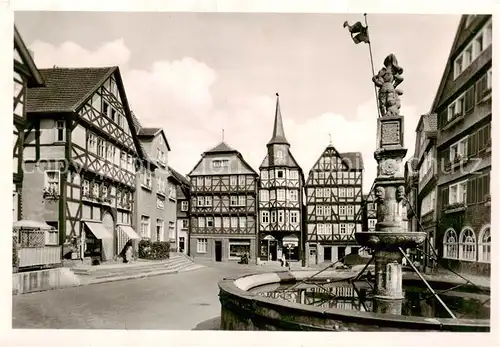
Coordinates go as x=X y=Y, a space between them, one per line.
x=341 y=192
x=319 y=210
x=60 y=133
x=265 y=217
x=480 y=42
x=281 y=195
x=281 y=216
x=428 y=203
x=201 y=246
x=456 y=108
x=458 y=193
x=185 y=224
x=450 y=245
x=52 y=181
x=294 y=195
x=201 y=201
x=130 y=165
x=100 y=147
x=172 y=192
x=123 y=160
x=483 y=86
x=238 y=247
x=160 y=203
x=241 y=180
x=243 y=222
x=273 y=216
x=201 y=222
x=280 y=174
x=199 y=181
x=350 y=192
x=264 y=175
x=319 y=192
x=342 y=210
x=95 y=189
x=321 y=229
x=272 y=196
x=145 y=227
x=104 y=192
x=234 y=222
x=159 y=229
x=208 y=201
x=467 y=245
x=484 y=245
x=294 y=174
x=217 y=164
x=160 y=184
x=264 y=195
x=294 y=217
x=326 y=193
x=427 y=164
x=370 y=206
x=458 y=151
x=234 y=200
x=234 y=180
x=242 y=200
x=225 y=222
x=210 y=222
x=184 y=206
x=91 y=142
x=371 y=223
x=327 y=211
x=146 y=178
x=343 y=228
x=160 y=156
x=85 y=188
x=350 y=210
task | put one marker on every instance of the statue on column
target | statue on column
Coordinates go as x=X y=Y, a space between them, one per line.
x=387 y=79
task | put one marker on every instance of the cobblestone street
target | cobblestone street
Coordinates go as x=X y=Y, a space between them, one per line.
x=178 y=301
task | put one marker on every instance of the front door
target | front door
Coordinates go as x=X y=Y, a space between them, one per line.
x=328 y=254
x=273 y=250
x=218 y=250
x=181 y=244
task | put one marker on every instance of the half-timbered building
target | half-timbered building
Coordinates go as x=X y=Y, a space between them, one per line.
x=334 y=201
x=223 y=206
x=183 y=188
x=370 y=212
x=280 y=199
x=25 y=75
x=80 y=156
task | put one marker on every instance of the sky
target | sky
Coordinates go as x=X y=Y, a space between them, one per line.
x=194 y=74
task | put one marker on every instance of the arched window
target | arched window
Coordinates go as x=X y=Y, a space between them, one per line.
x=467 y=245
x=484 y=245
x=450 y=245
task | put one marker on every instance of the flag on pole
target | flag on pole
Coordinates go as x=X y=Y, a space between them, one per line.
x=359 y=33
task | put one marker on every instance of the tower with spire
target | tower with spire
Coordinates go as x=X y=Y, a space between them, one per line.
x=280 y=199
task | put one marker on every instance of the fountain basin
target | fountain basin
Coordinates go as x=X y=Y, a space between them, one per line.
x=390 y=240
x=242 y=309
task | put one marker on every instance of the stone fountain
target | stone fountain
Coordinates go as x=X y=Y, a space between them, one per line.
x=390 y=236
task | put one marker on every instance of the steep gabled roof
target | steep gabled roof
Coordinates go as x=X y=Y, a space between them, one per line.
x=178 y=177
x=278 y=130
x=149 y=133
x=221 y=148
x=137 y=127
x=66 y=89
x=35 y=79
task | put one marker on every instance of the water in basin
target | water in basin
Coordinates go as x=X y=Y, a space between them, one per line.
x=418 y=300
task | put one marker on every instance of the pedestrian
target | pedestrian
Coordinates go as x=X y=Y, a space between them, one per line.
x=283 y=259
x=127 y=252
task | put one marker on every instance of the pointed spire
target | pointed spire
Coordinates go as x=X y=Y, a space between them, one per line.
x=278 y=131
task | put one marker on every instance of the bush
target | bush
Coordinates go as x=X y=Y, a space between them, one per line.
x=154 y=250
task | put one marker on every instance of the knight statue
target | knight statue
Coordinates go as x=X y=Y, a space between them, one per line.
x=387 y=79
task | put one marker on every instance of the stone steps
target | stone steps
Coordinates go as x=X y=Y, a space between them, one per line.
x=140 y=268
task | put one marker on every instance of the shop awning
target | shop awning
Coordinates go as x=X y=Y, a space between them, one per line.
x=269 y=238
x=99 y=230
x=130 y=232
x=291 y=240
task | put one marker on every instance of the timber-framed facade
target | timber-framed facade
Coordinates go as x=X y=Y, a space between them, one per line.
x=334 y=201
x=82 y=153
x=281 y=193
x=223 y=206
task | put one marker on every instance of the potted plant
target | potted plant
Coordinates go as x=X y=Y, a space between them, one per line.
x=50 y=193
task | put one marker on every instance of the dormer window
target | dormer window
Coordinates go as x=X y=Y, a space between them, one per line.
x=60 y=133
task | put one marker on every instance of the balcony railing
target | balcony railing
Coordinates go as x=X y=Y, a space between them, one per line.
x=37 y=256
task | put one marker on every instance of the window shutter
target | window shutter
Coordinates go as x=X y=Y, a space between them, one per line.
x=470 y=145
x=480 y=140
x=444 y=197
x=480 y=193
x=446 y=156
x=442 y=118
x=469 y=99
x=486 y=184
x=471 y=191
x=473 y=145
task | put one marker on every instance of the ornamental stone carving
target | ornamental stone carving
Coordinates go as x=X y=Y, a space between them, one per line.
x=390 y=133
x=389 y=167
x=387 y=79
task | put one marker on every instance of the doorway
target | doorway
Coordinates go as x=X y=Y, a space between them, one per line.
x=218 y=250
x=181 y=244
x=341 y=253
x=328 y=254
x=273 y=250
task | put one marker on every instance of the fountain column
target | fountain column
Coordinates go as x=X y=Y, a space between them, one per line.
x=391 y=232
